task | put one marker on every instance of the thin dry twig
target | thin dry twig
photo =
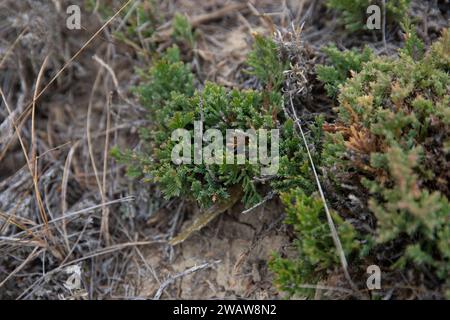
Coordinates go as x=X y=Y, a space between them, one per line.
x=104 y=228
x=13 y=45
x=114 y=78
x=34 y=166
x=76 y=213
x=88 y=133
x=30 y=257
x=186 y=272
x=334 y=233
x=97 y=253
x=64 y=183
x=27 y=110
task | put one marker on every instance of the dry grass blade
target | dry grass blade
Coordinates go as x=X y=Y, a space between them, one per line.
x=30 y=257
x=77 y=213
x=114 y=78
x=27 y=110
x=34 y=170
x=172 y=279
x=24 y=150
x=88 y=132
x=64 y=183
x=91 y=255
x=334 y=233
x=11 y=48
x=105 y=211
x=10 y=219
x=112 y=248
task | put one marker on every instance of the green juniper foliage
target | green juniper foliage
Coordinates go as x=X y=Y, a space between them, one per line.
x=342 y=65
x=414 y=47
x=392 y=138
x=316 y=250
x=168 y=94
x=182 y=30
x=221 y=109
x=142 y=20
x=104 y=10
x=265 y=63
x=167 y=76
x=393 y=135
x=354 y=14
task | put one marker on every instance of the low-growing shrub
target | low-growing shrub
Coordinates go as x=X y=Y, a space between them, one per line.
x=173 y=104
x=390 y=145
x=343 y=65
x=390 y=142
x=182 y=30
x=392 y=139
x=316 y=250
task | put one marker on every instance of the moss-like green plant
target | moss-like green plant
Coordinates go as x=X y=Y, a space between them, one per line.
x=182 y=30
x=265 y=63
x=140 y=22
x=316 y=250
x=173 y=104
x=392 y=136
x=391 y=141
x=104 y=10
x=354 y=14
x=343 y=64
x=167 y=76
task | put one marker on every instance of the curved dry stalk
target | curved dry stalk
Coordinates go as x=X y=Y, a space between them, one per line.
x=97 y=253
x=31 y=256
x=334 y=233
x=75 y=213
x=172 y=279
x=33 y=169
x=13 y=45
x=64 y=183
x=27 y=110
x=104 y=228
x=114 y=78
x=88 y=132
x=24 y=150
x=208 y=215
